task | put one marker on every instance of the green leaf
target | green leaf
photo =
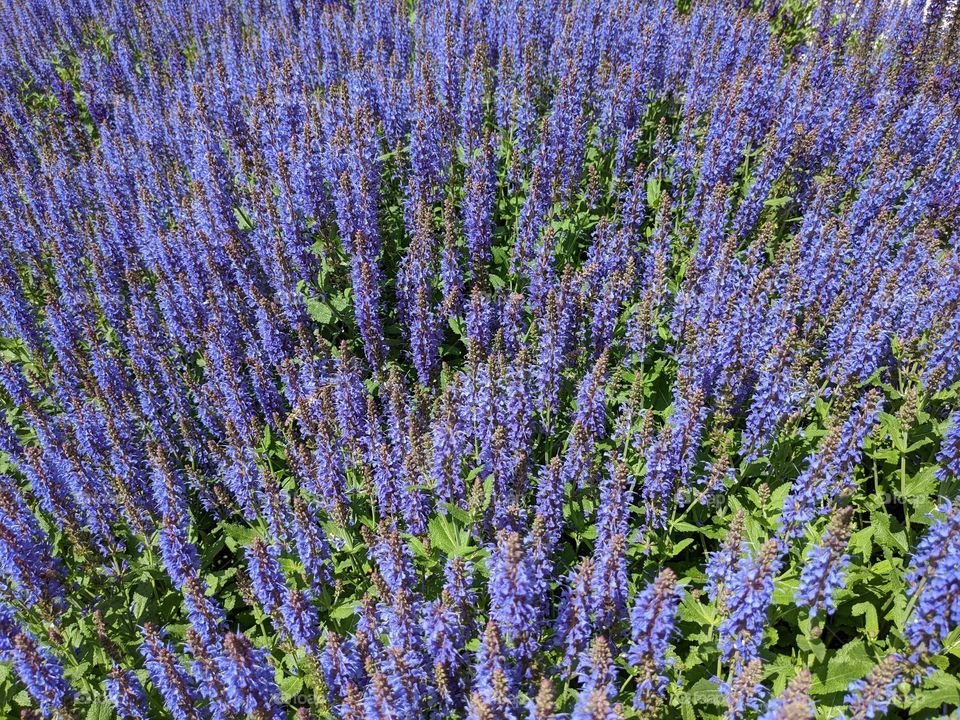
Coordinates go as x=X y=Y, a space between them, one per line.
x=447 y=536
x=814 y=646
x=100 y=711
x=653 y=191
x=319 y=311
x=894 y=540
x=238 y=534
x=704 y=692
x=862 y=542
x=785 y=591
x=243 y=220
x=939 y=688
x=142 y=596
x=344 y=610
x=340 y=302
x=419 y=547
x=694 y=611
x=894 y=428
x=459 y=514
x=870 y=617
x=778 y=202
x=849 y=663
x=922 y=485
x=290 y=686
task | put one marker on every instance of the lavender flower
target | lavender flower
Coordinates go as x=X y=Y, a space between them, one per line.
x=126 y=694
x=827 y=561
x=749 y=592
x=248 y=677
x=543 y=705
x=574 y=626
x=205 y=613
x=178 y=554
x=26 y=557
x=609 y=591
x=830 y=469
x=723 y=563
x=871 y=696
x=394 y=559
x=794 y=702
x=41 y=674
x=266 y=577
x=512 y=601
x=949 y=456
x=445 y=636
x=652 y=625
x=493 y=677
x=312 y=545
x=398 y=284
x=205 y=669
x=744 y=690
x=935 y=584
x=550 y=493
x=597 y=675
x=340 y=665
x=300 y=620
x=168 y=676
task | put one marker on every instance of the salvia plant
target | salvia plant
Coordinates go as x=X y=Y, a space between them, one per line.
x=488 y=359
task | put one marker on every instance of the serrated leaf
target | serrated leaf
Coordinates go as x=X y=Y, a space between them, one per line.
x=142 y=596
x=894 y=540
x=785 y=591
x=940 y=688
x=894 y=428
x=849 y=663
x=704 y=692
x=340 y=302
x=814 y=646
x=344 y=610
x=419 y=547
x=445 y=535
x=862 y=541
x=458 y=513
x=100 y=711
x=777 y=202
x=694 y=611
x=290 y=686
x=921 y=485
x=869 y=613
x=238 y=533
x=319 y=311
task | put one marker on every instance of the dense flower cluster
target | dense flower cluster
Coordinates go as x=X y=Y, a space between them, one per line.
x=486 y=359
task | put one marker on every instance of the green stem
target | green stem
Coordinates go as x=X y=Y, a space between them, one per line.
x=913 y=600
x=903 y=487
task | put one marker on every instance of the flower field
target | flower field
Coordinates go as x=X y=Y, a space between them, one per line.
x=479 y=359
